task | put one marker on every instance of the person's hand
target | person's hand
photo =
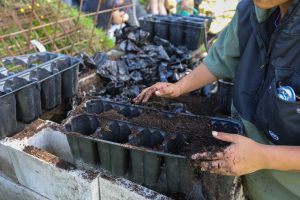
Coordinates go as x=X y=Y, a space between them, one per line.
x=242 y=157
x=119 y=17
x=125 y=16
x=169 y=90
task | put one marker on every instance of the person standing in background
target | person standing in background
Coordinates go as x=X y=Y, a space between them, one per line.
x=158 y=7
x=185 y=7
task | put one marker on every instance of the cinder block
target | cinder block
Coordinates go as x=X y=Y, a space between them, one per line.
x=121 y=189
x=51 y=181
x=10 y=190
x=6 y=165
x=55 y=183
x=44 y=177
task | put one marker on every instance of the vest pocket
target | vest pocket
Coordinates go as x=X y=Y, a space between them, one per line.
x=279 y=119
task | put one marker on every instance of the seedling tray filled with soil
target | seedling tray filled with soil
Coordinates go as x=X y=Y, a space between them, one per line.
x=24 y=95
x=188 y=124
x=117 y=152
x=144 y=145
x=189 y=103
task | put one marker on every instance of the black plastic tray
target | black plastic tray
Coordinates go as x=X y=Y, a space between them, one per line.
x=118 y=154
x=189 y=31
x=18 y=64
x=24 y=95
x=97 y=106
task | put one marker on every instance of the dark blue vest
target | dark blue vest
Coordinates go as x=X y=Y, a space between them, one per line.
x=267 y=60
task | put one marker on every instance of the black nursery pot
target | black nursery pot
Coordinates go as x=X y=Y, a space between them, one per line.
x=114 y=158
x=147 y=24
x=162 y=28
x=69 y=77
x=8 y=122
x=194 y=35
x=179 y=174
x=226 y=95
x=145 y=167
x=177 y=33
x=50 y=88
x=28 y=99
x=84 y=150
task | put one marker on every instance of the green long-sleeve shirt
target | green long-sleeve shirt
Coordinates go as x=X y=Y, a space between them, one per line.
x=222 y=60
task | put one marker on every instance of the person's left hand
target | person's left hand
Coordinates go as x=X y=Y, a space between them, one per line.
x=243 y=156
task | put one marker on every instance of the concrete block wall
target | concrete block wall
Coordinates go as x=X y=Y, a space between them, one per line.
x=9 y=190
x=23 y=176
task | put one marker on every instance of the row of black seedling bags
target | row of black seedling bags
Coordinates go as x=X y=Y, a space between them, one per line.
x=46 y=80
x=123 y=148
x=189 y=31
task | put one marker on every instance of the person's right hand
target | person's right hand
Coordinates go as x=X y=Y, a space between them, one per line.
x=168 y=90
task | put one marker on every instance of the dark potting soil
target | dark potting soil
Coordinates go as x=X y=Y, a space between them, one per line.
x=113 y=114
x=48 y=157
x=196 y=104
x=197 y=130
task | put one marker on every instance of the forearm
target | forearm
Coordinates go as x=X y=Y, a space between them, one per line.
x=284 y=158
x=198 y=78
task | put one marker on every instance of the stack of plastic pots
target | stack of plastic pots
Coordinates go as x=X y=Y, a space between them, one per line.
x=45 y=80
x=186 y=31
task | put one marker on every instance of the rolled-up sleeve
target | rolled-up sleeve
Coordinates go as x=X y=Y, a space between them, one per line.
x=224 y=56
